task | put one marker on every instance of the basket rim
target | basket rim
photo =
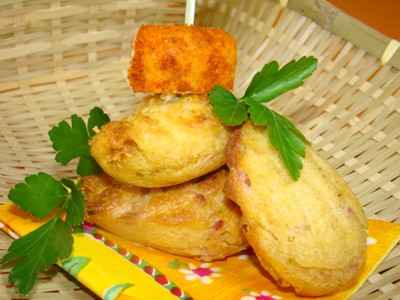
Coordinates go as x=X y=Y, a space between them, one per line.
x=351 y=29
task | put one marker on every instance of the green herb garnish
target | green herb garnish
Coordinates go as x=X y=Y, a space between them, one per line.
x=60 y=201
x=266 y=85
x=73 y=141
x=75 y=204
x=227 y=107
x=39 y=194
x=43 y=196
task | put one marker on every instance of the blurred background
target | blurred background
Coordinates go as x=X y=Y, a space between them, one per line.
x=383 y=15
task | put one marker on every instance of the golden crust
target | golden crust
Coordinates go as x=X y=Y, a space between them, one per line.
x=181 y=59
x=192 y=219
x=309 y=234
x=165 y=142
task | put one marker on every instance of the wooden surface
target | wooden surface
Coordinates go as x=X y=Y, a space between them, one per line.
x=383 y=15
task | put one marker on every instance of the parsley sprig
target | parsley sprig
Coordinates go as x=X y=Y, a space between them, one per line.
x=43 y=196
x=265 y=86
x=73 y=141
x=59 y=201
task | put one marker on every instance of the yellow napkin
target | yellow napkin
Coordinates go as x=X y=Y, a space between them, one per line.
x=114 y=268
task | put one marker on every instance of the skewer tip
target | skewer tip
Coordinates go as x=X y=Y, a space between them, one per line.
x=190 y=12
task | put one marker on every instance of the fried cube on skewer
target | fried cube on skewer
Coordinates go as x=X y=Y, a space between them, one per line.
x=174 y=59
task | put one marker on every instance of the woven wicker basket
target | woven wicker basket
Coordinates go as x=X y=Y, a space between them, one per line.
x=59 y=57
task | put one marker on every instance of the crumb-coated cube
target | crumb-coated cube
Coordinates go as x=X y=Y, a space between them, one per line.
x=181 y=59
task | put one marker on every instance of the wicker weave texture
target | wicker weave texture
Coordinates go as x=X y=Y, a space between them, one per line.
x=63 y=57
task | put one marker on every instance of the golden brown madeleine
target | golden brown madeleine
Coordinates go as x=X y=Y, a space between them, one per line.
x=309 y=234
x=192 y=219
x=167 y=141
x=180 y=59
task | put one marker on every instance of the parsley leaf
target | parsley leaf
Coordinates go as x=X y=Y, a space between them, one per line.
x=72 y=142
x=227 y=107
x=288 y=143
x=87 y=166
x=75 y=204
x=267 y=84
x=97 y=118
x=39 y=194
x=260 y=115
x=271 y=83
x=36 y=251
x=261 y=77
x=284 y=136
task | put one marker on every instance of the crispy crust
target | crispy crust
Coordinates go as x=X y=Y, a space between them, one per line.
x=192 y=219
x=232 y=152
x=181 y=59
x=165 y=142
x=274 y=224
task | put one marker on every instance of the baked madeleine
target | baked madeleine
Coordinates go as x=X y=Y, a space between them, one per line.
x=309 y=234
x=168 y=140
x=193 y=219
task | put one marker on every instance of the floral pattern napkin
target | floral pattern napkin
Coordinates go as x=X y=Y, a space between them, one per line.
x=116 y=269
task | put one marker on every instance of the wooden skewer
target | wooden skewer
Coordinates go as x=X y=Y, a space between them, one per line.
x=190 y=12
